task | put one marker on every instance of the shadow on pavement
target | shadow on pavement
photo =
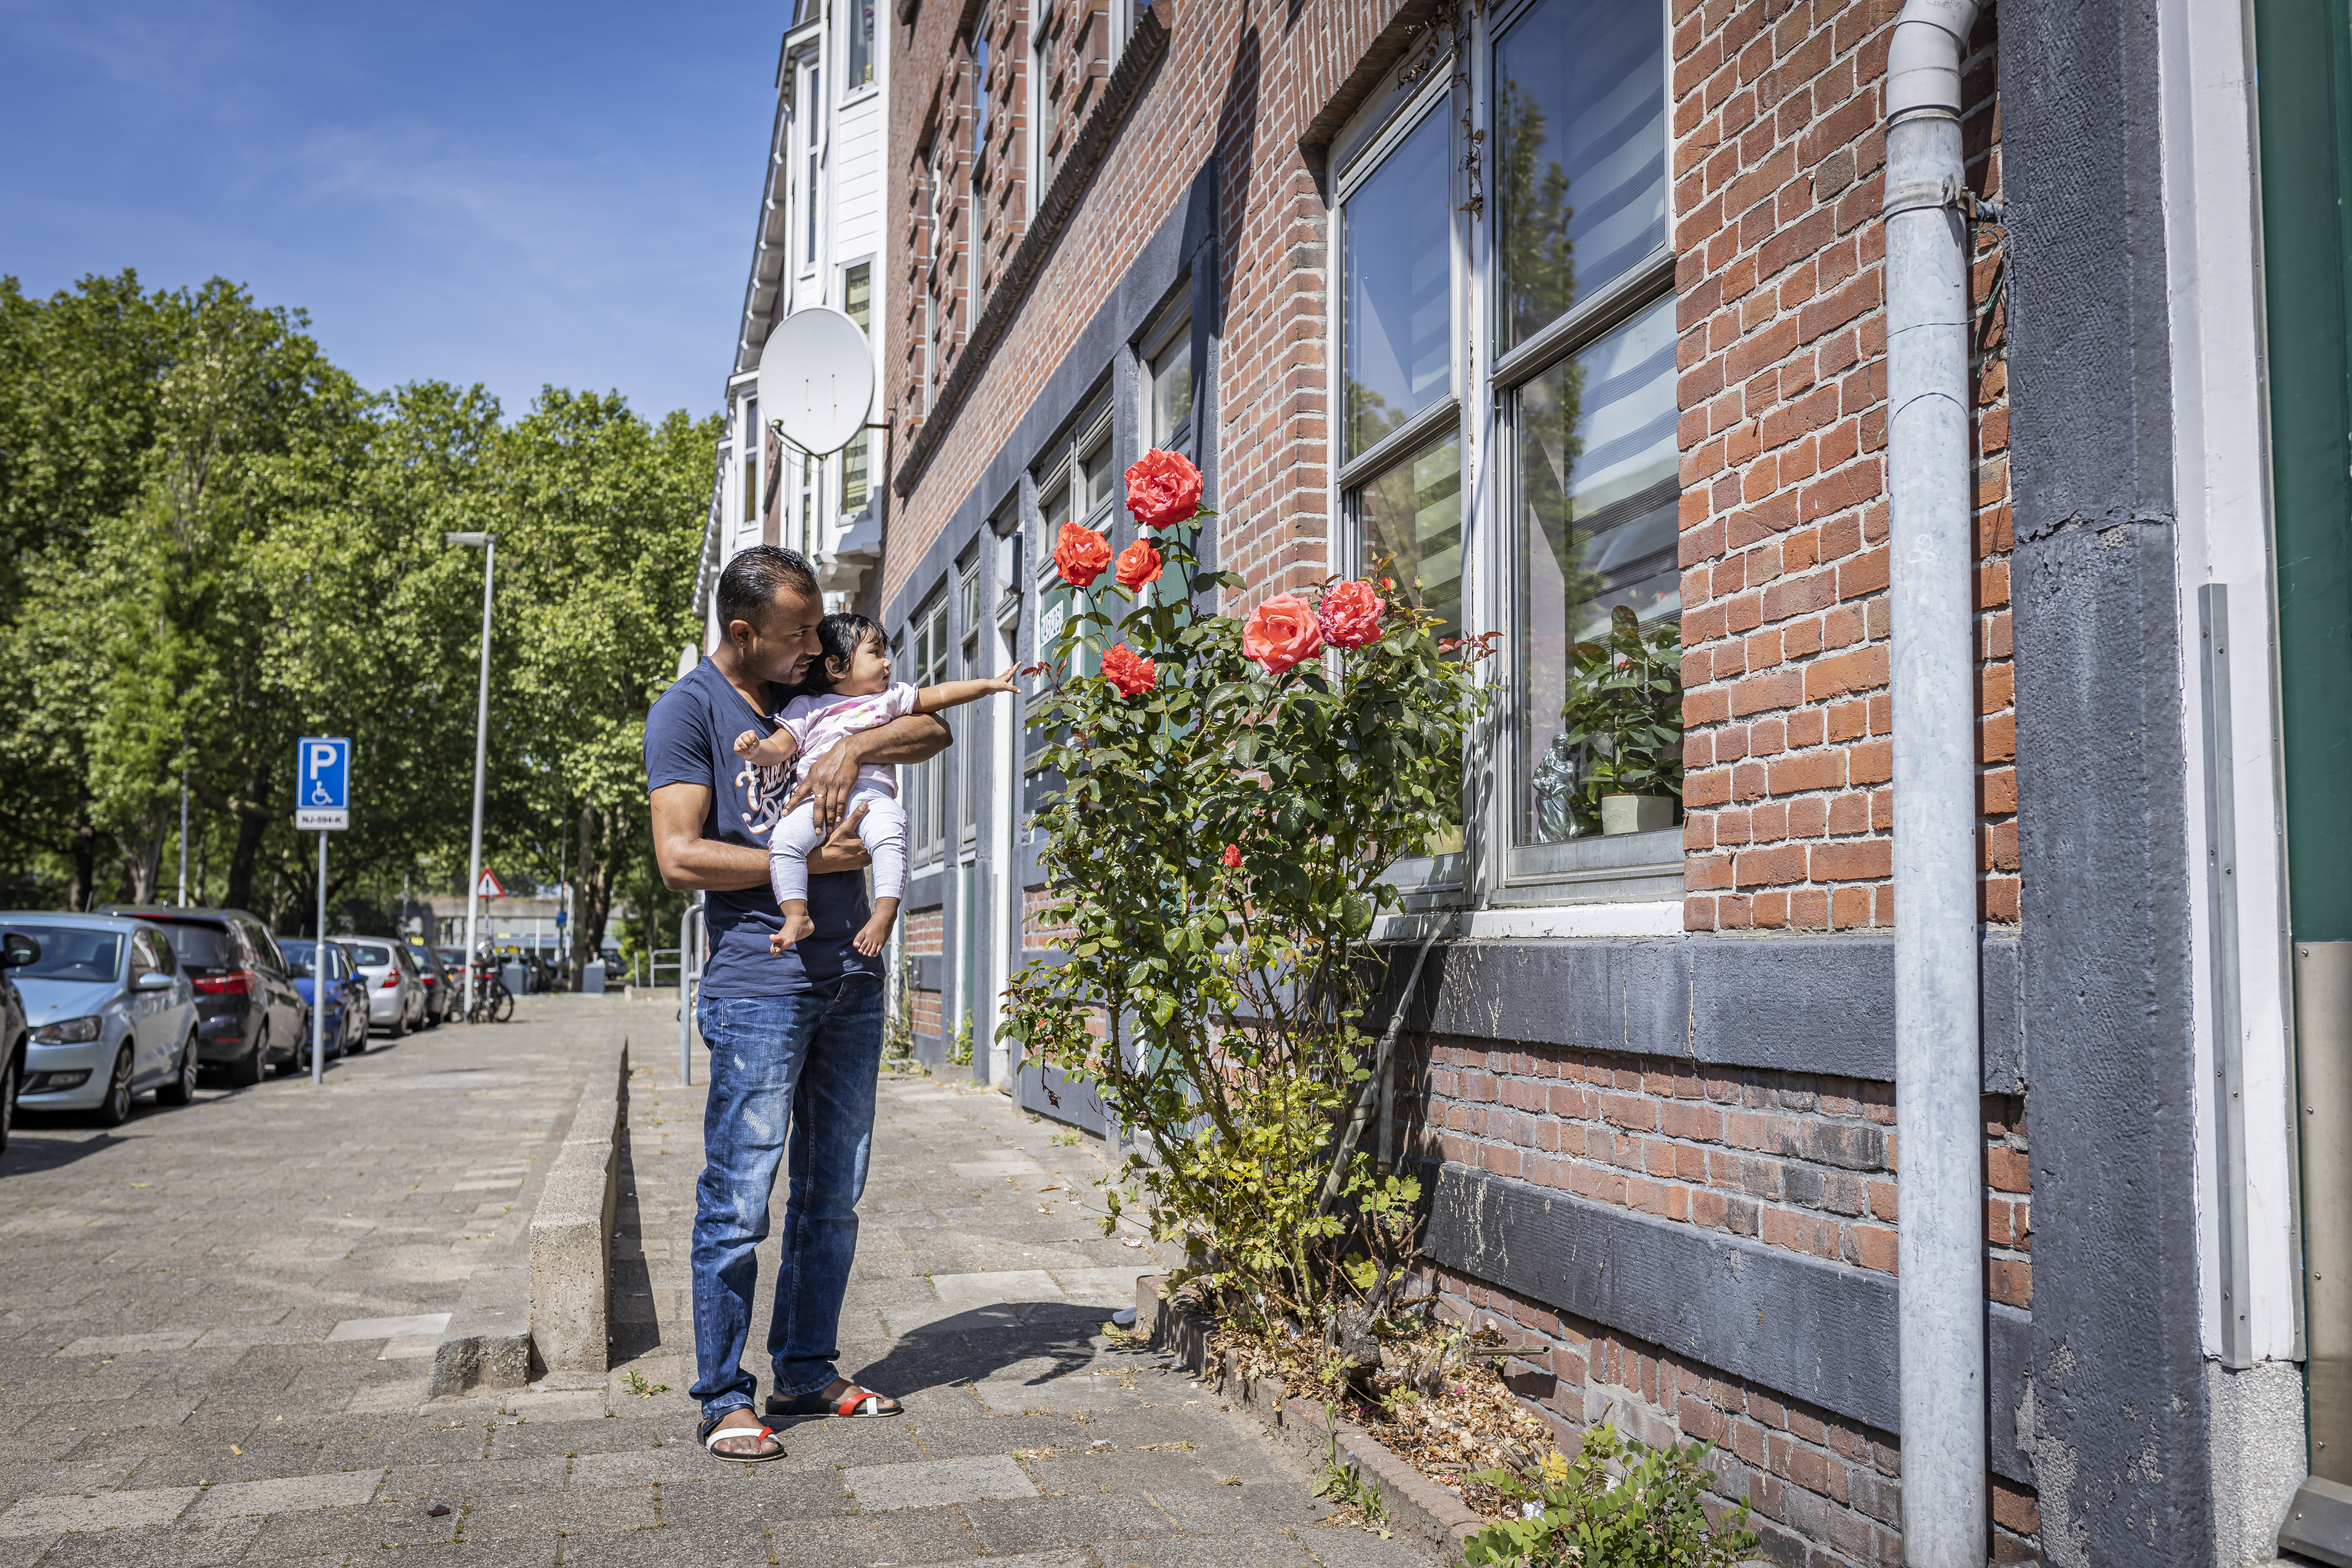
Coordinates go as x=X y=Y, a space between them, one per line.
x=29 y=1152
x=982 y=1345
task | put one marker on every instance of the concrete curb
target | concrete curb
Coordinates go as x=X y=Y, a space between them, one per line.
x=486 y=1344
x=570 y=1262
x=1421 y=1513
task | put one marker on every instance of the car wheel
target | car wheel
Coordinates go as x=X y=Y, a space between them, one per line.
x=9 y=1079
x=115 y=1109
x=399 y=1024
x=245 y=1071
x=354 y=1040
x=182 y=1087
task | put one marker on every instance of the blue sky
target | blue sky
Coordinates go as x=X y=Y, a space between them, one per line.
x=515 y=194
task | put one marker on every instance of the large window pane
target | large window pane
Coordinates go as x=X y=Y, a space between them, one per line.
x=1596 y=500
x=1579 y=154
x=1412 y=517
x=1397 y=314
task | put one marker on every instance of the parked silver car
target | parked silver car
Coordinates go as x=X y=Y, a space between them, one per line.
x=396 y=994
x=112 y=1014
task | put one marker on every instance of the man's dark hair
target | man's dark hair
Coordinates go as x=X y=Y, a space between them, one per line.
x=753 y=580
x=838 y=636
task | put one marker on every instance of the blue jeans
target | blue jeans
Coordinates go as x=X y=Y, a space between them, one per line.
x=808 y=1062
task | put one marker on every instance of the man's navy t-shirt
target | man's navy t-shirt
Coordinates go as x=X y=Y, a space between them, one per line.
x=691 y=739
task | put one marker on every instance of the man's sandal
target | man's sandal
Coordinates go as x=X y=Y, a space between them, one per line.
x=713 y=1434
x=852 y=1401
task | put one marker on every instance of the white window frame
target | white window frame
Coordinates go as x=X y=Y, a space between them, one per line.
x=924 y=784
x=1173 y=328
x=812 y=165
x=853 y=91
x=1040 y=79
x=1491 y=870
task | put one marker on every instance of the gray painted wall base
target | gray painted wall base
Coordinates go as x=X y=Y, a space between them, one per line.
x=1815 y=1331
x=1045 y=1090
x=1803 y=1005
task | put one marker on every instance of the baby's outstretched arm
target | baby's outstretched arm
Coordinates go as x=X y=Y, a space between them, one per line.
x=955 y=693
x=765 y=751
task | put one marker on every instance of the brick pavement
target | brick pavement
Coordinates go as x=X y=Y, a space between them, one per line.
x=217 y=1322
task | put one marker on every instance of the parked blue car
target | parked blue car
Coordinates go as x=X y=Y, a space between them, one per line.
x=347 y=997
x=112 y=1014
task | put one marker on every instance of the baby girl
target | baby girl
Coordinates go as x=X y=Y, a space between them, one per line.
x=851 y=679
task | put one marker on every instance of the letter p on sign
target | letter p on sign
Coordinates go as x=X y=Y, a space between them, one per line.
x=322 y=779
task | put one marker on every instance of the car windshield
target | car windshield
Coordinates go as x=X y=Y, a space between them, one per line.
x=72 y=952
x=370 y=957
x=298 y=959
x=203 y=947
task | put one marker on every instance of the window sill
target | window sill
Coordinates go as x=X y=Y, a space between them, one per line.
x=1611 y=918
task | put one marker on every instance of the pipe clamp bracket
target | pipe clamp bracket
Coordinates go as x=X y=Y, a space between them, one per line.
x=1915 y=194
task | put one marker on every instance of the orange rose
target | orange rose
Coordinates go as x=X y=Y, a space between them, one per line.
x=1350 y=614
x=1233 y=854
x=1138 y=563
x=1133 y=676
x=1163 y=488
x=1081 y=553
x=1280 y=632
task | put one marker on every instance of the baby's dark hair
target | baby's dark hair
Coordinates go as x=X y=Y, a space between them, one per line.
x=839 y=636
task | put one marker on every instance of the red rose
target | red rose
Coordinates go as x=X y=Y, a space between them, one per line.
x=1138 y=563
x=1131 y=675
x=1081 y=553
x=1233 y=854
x=1280 y=632
x=1163 y=488
x=1350 y=614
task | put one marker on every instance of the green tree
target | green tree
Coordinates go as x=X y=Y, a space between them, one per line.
x=601 y=515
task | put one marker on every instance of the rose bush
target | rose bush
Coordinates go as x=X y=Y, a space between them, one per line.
x=1216 y=1000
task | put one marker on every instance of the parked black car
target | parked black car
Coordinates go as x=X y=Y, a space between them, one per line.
x=249 y=1013
x=442 y=997
x=16 y=950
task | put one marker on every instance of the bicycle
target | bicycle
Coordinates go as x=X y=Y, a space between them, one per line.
x=493 y=1003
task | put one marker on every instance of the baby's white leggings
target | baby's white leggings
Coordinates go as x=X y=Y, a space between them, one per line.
x=884 y=832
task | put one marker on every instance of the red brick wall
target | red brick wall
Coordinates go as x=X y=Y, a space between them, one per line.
x=1791 y=1160
x=1036 y=931
x=1778 y=159
x=1235 y=84
x=925 y=930
x=1822 y=1490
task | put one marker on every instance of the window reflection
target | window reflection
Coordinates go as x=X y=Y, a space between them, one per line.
x=1579 y=154
x=1410 y=521
x=1412 y=517
x=1172 y=390
x=1397 y=317
x=1597 y=489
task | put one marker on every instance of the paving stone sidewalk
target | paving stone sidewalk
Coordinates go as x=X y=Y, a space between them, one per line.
x=216 y=1323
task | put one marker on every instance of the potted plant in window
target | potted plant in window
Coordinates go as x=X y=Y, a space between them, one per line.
x=1624 y=716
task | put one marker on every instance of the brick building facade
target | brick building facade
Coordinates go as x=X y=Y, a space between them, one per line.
x=1566 y=306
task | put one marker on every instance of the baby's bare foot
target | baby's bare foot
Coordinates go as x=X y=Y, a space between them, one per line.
x=796 y=926
x=874 y=935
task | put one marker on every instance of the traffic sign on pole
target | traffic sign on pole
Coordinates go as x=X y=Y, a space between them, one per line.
x=489 y=886
x=322 y=784
x=322 y=802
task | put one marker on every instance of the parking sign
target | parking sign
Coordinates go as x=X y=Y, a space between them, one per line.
x=322 y=783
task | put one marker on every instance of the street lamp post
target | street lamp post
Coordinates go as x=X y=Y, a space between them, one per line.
x=488 y=543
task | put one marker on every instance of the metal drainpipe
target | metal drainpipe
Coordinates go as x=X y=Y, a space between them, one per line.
x=1938 y=1073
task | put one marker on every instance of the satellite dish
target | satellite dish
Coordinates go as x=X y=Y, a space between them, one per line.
x=816 y=380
